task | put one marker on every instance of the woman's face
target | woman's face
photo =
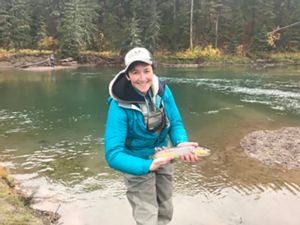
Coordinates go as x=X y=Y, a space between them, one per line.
x=141 y=77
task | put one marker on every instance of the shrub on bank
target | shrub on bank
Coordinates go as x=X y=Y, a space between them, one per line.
x=197 y=55
x=200 y=55
x=207 y=53
x=104 y=54
x=286 y=56
x=6 y=54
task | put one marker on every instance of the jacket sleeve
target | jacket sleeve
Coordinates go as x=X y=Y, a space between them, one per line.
x=177 y=131
x=115 y=149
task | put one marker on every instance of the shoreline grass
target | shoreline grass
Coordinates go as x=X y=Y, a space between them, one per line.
x=14 y=209
x=201 y=56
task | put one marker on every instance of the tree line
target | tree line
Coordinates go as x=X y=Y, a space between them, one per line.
x=71 y=26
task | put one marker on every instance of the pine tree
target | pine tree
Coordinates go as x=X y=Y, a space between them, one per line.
x=15 y=24
x=5 y=25
x=114 y=22
x=219 y=11
x=134 y=29
x=76 y=28
x=135 y=33
x=259 y=43
x=287 y=12
x=151 y=26
x=87 y=20
x=168 y=13
x=69 y=45
x=120 y=24
x=234 y=28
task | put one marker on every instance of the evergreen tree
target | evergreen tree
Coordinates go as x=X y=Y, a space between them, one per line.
x=5 y=25
x=151 y=26
x=234 y=28
x=87 y=20
x=38 y=30
x=202 y=23
x=135 y=30
x=76 y=28
x=135 y=33
x=15 y=24
x=114 y=21
x=169 y=24
x=219 y=12
x=121 y=24
x=259 y=43
x=287 y=12
x=38 y=27
x=70 y=30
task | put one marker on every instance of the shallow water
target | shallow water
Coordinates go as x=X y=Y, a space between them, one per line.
x=51 y=137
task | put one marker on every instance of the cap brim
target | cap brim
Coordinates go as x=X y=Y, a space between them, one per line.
x=139 y=60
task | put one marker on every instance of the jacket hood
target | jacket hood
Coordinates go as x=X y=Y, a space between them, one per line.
x=121 y=89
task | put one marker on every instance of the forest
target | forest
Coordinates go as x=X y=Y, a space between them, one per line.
x=71 y=26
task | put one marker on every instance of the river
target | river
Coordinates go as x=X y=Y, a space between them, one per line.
x=51 y=137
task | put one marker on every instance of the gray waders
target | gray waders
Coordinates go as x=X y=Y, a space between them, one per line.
x=150 y=196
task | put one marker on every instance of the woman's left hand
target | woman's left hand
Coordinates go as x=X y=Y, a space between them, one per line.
x=189 y=157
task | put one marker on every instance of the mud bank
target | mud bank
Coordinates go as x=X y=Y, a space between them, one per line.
x=274 y=147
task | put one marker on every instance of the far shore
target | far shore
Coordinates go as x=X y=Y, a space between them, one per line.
x=49 y=68
x=20 y=64
x=10 y=66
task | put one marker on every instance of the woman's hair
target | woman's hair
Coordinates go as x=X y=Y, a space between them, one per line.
x=134 y=64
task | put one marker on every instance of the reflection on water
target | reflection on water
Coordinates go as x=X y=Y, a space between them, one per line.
x=51 y=136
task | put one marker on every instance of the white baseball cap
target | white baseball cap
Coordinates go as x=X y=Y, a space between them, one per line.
x=138 y=54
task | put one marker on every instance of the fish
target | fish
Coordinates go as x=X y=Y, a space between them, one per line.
x=176 y=152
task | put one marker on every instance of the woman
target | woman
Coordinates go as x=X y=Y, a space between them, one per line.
x=142 y=116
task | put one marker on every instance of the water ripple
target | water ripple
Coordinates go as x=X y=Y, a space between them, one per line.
x=207 y=179
x=279 y=95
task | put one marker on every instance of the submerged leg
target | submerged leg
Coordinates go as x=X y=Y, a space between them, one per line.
x=164 y=194
x=141 y=194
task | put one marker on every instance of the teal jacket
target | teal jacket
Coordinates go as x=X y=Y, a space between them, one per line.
x=128 y=144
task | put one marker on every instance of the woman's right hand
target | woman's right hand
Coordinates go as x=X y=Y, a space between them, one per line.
x=159 y=162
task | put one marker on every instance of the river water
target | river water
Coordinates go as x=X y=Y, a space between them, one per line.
x=51 y=138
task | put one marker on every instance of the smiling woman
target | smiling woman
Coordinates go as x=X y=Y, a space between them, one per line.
x=140 y=75
x=142 y=116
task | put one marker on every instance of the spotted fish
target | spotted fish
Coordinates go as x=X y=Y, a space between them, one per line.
x=176 y=152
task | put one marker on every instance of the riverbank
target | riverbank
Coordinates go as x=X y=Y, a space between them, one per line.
x=41 y=61
x=15 y=207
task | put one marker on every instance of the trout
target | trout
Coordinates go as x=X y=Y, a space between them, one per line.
x=176 y=152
